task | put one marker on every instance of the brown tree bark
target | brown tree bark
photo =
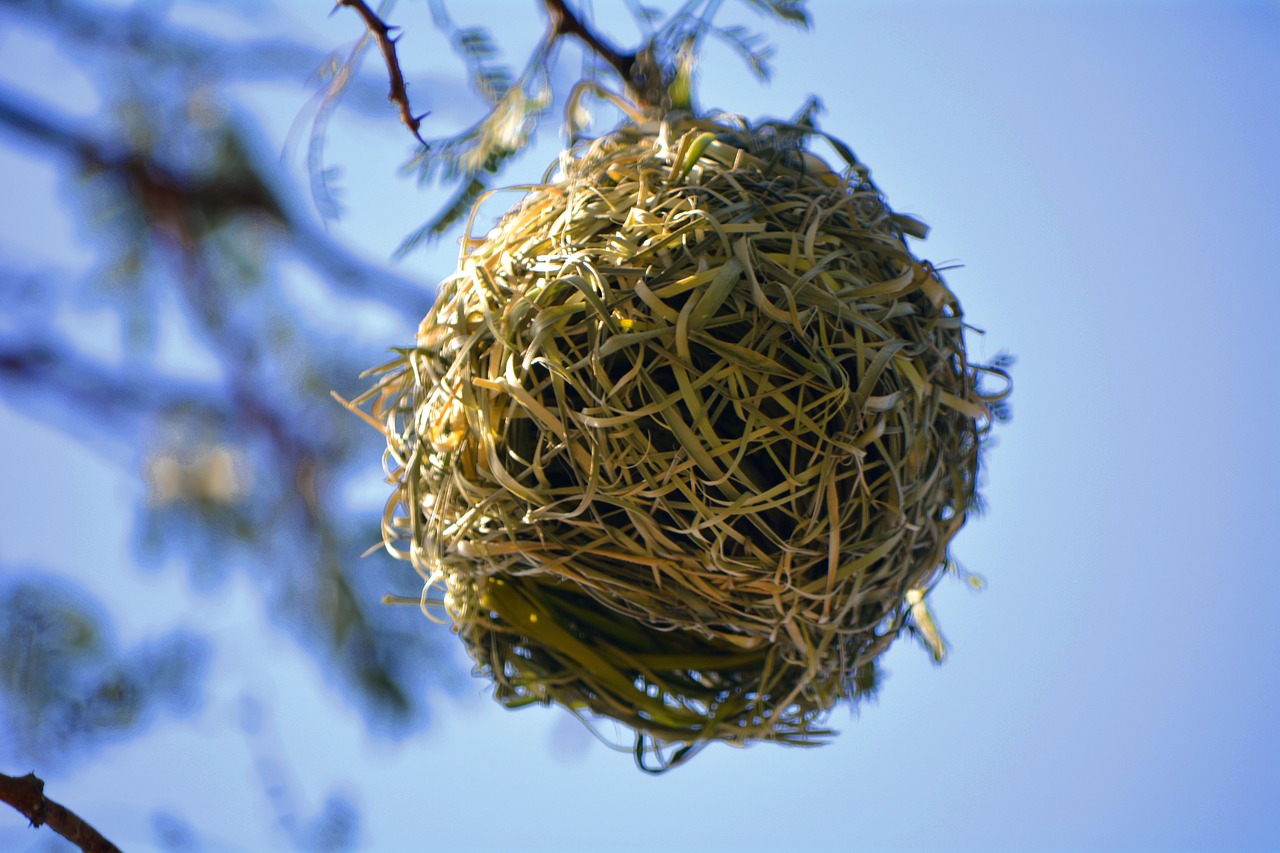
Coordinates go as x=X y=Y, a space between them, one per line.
x=26 y=794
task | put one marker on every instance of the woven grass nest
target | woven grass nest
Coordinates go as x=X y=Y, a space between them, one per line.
x=686 y=436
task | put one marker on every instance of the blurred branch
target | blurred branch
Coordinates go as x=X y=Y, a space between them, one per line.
x=399 y=94
x=133 y=32
x=172 y=198
x=48 y=366
x=26 y=794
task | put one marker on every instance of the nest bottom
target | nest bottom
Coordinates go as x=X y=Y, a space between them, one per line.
x=544 y=642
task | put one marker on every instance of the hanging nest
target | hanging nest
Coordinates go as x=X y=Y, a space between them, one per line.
x=685 y=438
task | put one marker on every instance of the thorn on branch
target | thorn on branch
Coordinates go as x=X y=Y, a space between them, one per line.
x=399 y=94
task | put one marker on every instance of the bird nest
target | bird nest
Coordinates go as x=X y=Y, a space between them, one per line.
x=685 y=438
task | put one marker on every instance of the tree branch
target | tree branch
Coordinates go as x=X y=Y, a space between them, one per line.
x=639 y=70
x=152 y=182
x=26 y=794
x=565 y=23
x=47 y=365
x=399 y=93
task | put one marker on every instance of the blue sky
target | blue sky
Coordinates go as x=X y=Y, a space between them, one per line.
x=1107 y=175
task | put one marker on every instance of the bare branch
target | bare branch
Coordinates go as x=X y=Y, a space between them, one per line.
x=26 y=794
x=639 y=69
x=399 y=93
x=565 y=23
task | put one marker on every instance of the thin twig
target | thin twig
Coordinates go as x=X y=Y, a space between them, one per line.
x=26 y=794
x=399 y=94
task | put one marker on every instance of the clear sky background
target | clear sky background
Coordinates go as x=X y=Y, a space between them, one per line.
x=1107 y=174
